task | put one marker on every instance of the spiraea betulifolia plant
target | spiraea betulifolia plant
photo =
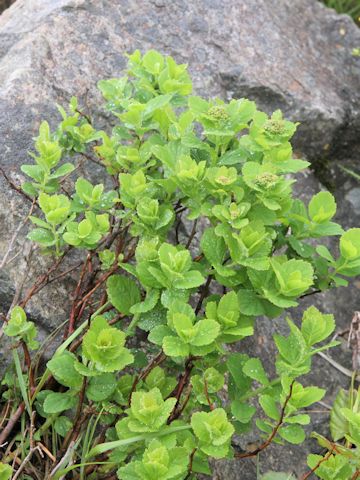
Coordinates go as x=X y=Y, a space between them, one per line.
x=108 y=404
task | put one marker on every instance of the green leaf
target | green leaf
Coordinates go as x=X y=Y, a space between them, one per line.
x=324 y=253
x=104 y=346
x=350 y=244
x=235 y=364
x=294 y=276
x=101 y=387
x=335 y=467
x=62 y=425
x=63 y=369
x=192 y=279
x=293 y=434
x=153 y=318
x=65 y=169
x=254 y=369
x=123 y=293
x=148 y=411
x=207 y=331
x=156 y=103
x=158 y=334
x=316 y=326
x=303 y=397
x=214 y=432
x=243 y=412
x=322 y=207
x=250 y=303
x=339 y=426
x=326 y=229
x=5 y=471
x=270 y=407
x=42 y=236
x=175 y=347
x=152 y=297
x=58 y=402
x=213 y=247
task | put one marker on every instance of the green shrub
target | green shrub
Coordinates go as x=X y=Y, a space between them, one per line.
x=159 y=409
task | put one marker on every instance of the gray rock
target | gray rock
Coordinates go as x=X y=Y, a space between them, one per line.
x=288 y=54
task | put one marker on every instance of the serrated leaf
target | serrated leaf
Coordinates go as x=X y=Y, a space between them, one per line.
x=192 y=279
x=155 y=103
x=42 y=236
x=339 y=426
x=65 y=169
x=243 y=412
x=58 y=402
x=62 y=425
x=174 y=347
x=101 y=387
x=250 y=303
x=63 y=369
x=325 y=253
x=123 y=293
x=322 y=207
x=293 y=434
x=254 y=369
x=152 y=296
x=270 y=407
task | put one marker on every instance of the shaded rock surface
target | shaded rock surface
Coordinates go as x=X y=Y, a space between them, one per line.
x=5 y=4
x=288 y=54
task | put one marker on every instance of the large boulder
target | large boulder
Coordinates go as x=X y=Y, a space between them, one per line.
x=288 y=54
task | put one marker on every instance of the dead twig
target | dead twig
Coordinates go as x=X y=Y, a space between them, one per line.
x=337 y=365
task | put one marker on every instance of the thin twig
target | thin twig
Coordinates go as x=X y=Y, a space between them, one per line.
x=322 y=460
x=192 y=234
x=211 y=405
x=337 y=365
x=308 y=294
x=191 y=459
x=182 y=383
x=160 y=357
x=203 y=294
x=273 y=433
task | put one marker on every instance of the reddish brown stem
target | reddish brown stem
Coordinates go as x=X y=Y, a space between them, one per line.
x=273 y=433
x=73 y=312
x=203 y=294
x=322 y=460
x=160 y=357
x=183 y=381
x=211 y=405
x=191 y=459
x=78 y=421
